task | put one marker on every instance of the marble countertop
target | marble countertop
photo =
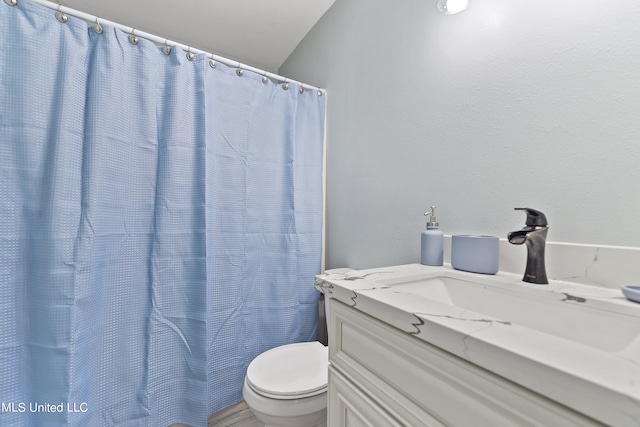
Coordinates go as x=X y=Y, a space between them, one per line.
x=599 y=379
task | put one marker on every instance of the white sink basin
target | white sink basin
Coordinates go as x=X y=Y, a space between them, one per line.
x=578 y=345
x=536 y=307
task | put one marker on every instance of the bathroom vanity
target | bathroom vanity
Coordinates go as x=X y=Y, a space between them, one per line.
x=430 y=346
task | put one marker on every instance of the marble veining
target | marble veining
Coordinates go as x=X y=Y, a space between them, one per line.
x=573 y=298
x=324 y=286
x=488 y=323
x=600 y=266
x=491 y=321
x=352 y=276
x=602 y=381
x=416 y=325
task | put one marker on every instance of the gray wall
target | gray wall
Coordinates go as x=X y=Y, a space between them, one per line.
x=509 y=103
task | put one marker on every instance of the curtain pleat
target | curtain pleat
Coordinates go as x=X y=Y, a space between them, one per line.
x=160 y=225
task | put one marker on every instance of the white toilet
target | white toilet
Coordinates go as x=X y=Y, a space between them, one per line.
x=287 y=385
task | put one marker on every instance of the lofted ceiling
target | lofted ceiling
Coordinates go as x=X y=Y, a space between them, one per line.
x=260 y=33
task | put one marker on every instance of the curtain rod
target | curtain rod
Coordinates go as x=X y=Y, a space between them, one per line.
x=163 y=41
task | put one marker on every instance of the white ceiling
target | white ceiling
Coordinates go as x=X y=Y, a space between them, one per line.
x=260 y=33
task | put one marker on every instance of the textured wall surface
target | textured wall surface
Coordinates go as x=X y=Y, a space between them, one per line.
x=510 y=103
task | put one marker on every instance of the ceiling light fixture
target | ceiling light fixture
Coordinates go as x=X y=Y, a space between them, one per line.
x=450 y=7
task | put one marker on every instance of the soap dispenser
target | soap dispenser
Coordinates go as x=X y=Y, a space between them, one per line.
x=432 y=241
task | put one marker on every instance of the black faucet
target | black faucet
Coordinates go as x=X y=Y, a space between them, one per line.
x=534 y=234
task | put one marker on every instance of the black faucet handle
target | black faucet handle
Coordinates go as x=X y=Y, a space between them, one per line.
x=534 y=218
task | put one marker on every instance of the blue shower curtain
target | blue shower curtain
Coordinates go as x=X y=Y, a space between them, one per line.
x=160 y=225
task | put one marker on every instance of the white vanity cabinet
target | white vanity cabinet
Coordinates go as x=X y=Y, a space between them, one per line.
x=381 y=376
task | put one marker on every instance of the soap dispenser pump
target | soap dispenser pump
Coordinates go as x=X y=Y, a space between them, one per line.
x=432 y=241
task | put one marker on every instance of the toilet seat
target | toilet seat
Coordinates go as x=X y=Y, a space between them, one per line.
x=292 y=371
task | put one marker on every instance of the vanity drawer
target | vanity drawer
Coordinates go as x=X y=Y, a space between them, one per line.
x=426 y=386
x=348 y=406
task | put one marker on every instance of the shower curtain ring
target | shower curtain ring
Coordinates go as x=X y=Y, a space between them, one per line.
x=166 y=48
x=11 y=2
x=190 y=54
x=60 y=16
x=212 y=62
x=239 y=71
x=265 y=79
x=133 y=38
x=97 y=27
x=285 y=85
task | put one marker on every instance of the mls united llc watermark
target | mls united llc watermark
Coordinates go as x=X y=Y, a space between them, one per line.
x=21 y=407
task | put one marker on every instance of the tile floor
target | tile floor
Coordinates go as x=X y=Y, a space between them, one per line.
x=236 y=416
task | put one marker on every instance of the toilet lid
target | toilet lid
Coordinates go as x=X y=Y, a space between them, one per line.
x=290 y=371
